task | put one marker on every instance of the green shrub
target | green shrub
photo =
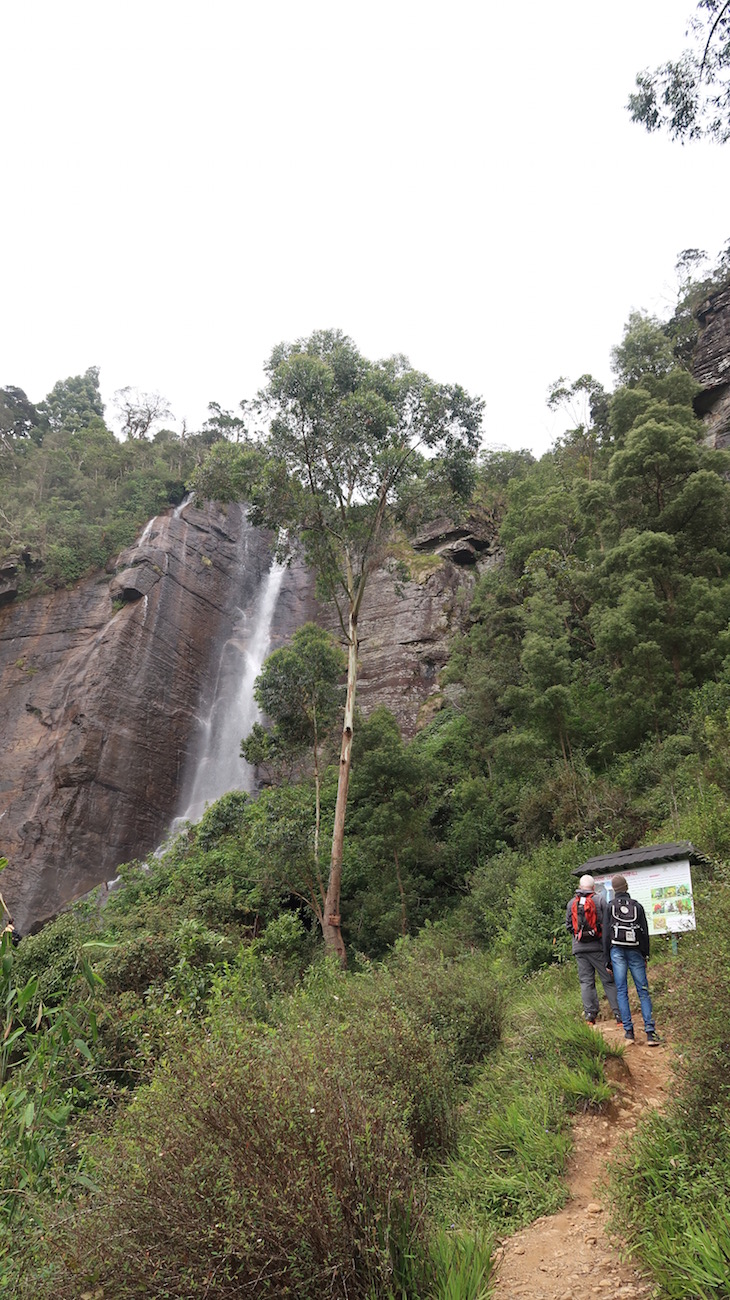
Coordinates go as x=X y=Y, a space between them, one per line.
x=282 y=1175
x=489 y=902
x=46 y=1075
x=451 y=993
x=63 y=565
x=536 y=934
x=51 y=956
x=286 y=1157
x=416 y=1025
x=133 y=964
x=133 y=1033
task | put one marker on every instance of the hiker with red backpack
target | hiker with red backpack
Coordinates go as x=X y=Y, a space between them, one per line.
x=585 y=920
x=626 y=948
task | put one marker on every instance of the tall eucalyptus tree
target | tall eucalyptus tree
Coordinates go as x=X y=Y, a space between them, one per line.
x=341 y=437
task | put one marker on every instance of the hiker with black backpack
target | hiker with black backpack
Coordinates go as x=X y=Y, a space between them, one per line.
x=626 y=948
x=585 y=920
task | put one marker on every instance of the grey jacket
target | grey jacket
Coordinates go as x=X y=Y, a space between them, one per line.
x=595 y=945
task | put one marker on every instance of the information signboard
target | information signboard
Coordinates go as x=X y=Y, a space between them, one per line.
x=664 y=890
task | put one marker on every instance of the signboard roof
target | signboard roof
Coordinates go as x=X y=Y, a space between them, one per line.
x=642 y=857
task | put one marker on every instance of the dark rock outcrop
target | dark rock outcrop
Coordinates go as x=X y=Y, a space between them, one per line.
x=711 y=367
x=8 y=581
x=464 y=544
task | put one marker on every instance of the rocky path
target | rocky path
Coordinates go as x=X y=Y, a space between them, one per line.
x=569 y=1255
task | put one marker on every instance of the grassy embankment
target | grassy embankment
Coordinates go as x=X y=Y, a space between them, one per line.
x=362 y=1136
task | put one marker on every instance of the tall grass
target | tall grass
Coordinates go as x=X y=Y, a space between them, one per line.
x=674 y=1212
x=515 y=1135
x=671 y=1191
x=461 y=1266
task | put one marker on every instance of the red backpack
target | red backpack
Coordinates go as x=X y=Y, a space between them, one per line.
x=586 y=926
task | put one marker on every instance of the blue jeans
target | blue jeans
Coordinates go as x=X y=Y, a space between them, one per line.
x=624 y=960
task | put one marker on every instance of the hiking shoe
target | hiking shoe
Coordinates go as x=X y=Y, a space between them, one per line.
x=653 y=1039
x=589 y=1021
x=629 y=1038
x=618 y=1019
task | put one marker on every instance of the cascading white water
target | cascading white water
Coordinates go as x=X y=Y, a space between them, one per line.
x=186 y=501
x=220 y=767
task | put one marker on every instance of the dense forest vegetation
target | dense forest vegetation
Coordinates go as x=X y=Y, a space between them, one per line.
x=194 y=1099
x=73 y=494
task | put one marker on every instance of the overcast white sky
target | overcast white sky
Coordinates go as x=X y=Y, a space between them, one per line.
x=187 y=184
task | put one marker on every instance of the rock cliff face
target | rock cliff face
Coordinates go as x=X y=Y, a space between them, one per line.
x=406 y=626
x=711 y=367
x=99 y=688
x=102 y=687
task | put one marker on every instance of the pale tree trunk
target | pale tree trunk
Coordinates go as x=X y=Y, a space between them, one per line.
x=331 y=930
x=317 y=796
x=331 y=921
x=402 y=892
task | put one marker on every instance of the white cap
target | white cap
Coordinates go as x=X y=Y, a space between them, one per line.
x=586 y=882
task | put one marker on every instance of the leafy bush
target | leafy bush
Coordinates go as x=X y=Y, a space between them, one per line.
x=295 y=1169
x=536 y=934
x=488 y=906
x=46 y=1075
x=450 y=993
x=51 y=957
x=134 y=964
x=280 y=1175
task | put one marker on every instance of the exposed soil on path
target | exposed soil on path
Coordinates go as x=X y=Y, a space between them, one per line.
x=569 y=1255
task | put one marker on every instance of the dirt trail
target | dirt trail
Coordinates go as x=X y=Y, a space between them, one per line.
x=568 y=1255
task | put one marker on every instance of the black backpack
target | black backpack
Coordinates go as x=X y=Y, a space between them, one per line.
x=625 y=922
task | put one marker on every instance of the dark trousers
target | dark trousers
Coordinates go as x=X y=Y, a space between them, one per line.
x=590 y=963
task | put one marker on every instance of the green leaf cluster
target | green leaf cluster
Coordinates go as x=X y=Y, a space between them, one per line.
x=73 y=495
x=614 y=599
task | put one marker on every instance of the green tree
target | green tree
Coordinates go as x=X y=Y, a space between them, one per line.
x=72 y=403
x=18 y=418
x=299 y=690
x=344 y=432
x=392 y=857
x=645 y=350
x=586 y=403
x=222 y=423
x=689 y=97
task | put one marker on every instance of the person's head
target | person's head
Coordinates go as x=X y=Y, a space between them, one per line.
x=620 y=885
x=586 y=884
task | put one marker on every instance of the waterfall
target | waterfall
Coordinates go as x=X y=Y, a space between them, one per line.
x=186 y=501
x=219 y=767
x=146 y=531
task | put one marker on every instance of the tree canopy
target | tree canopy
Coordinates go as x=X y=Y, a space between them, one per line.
x=689 y=97
x=73 y=494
